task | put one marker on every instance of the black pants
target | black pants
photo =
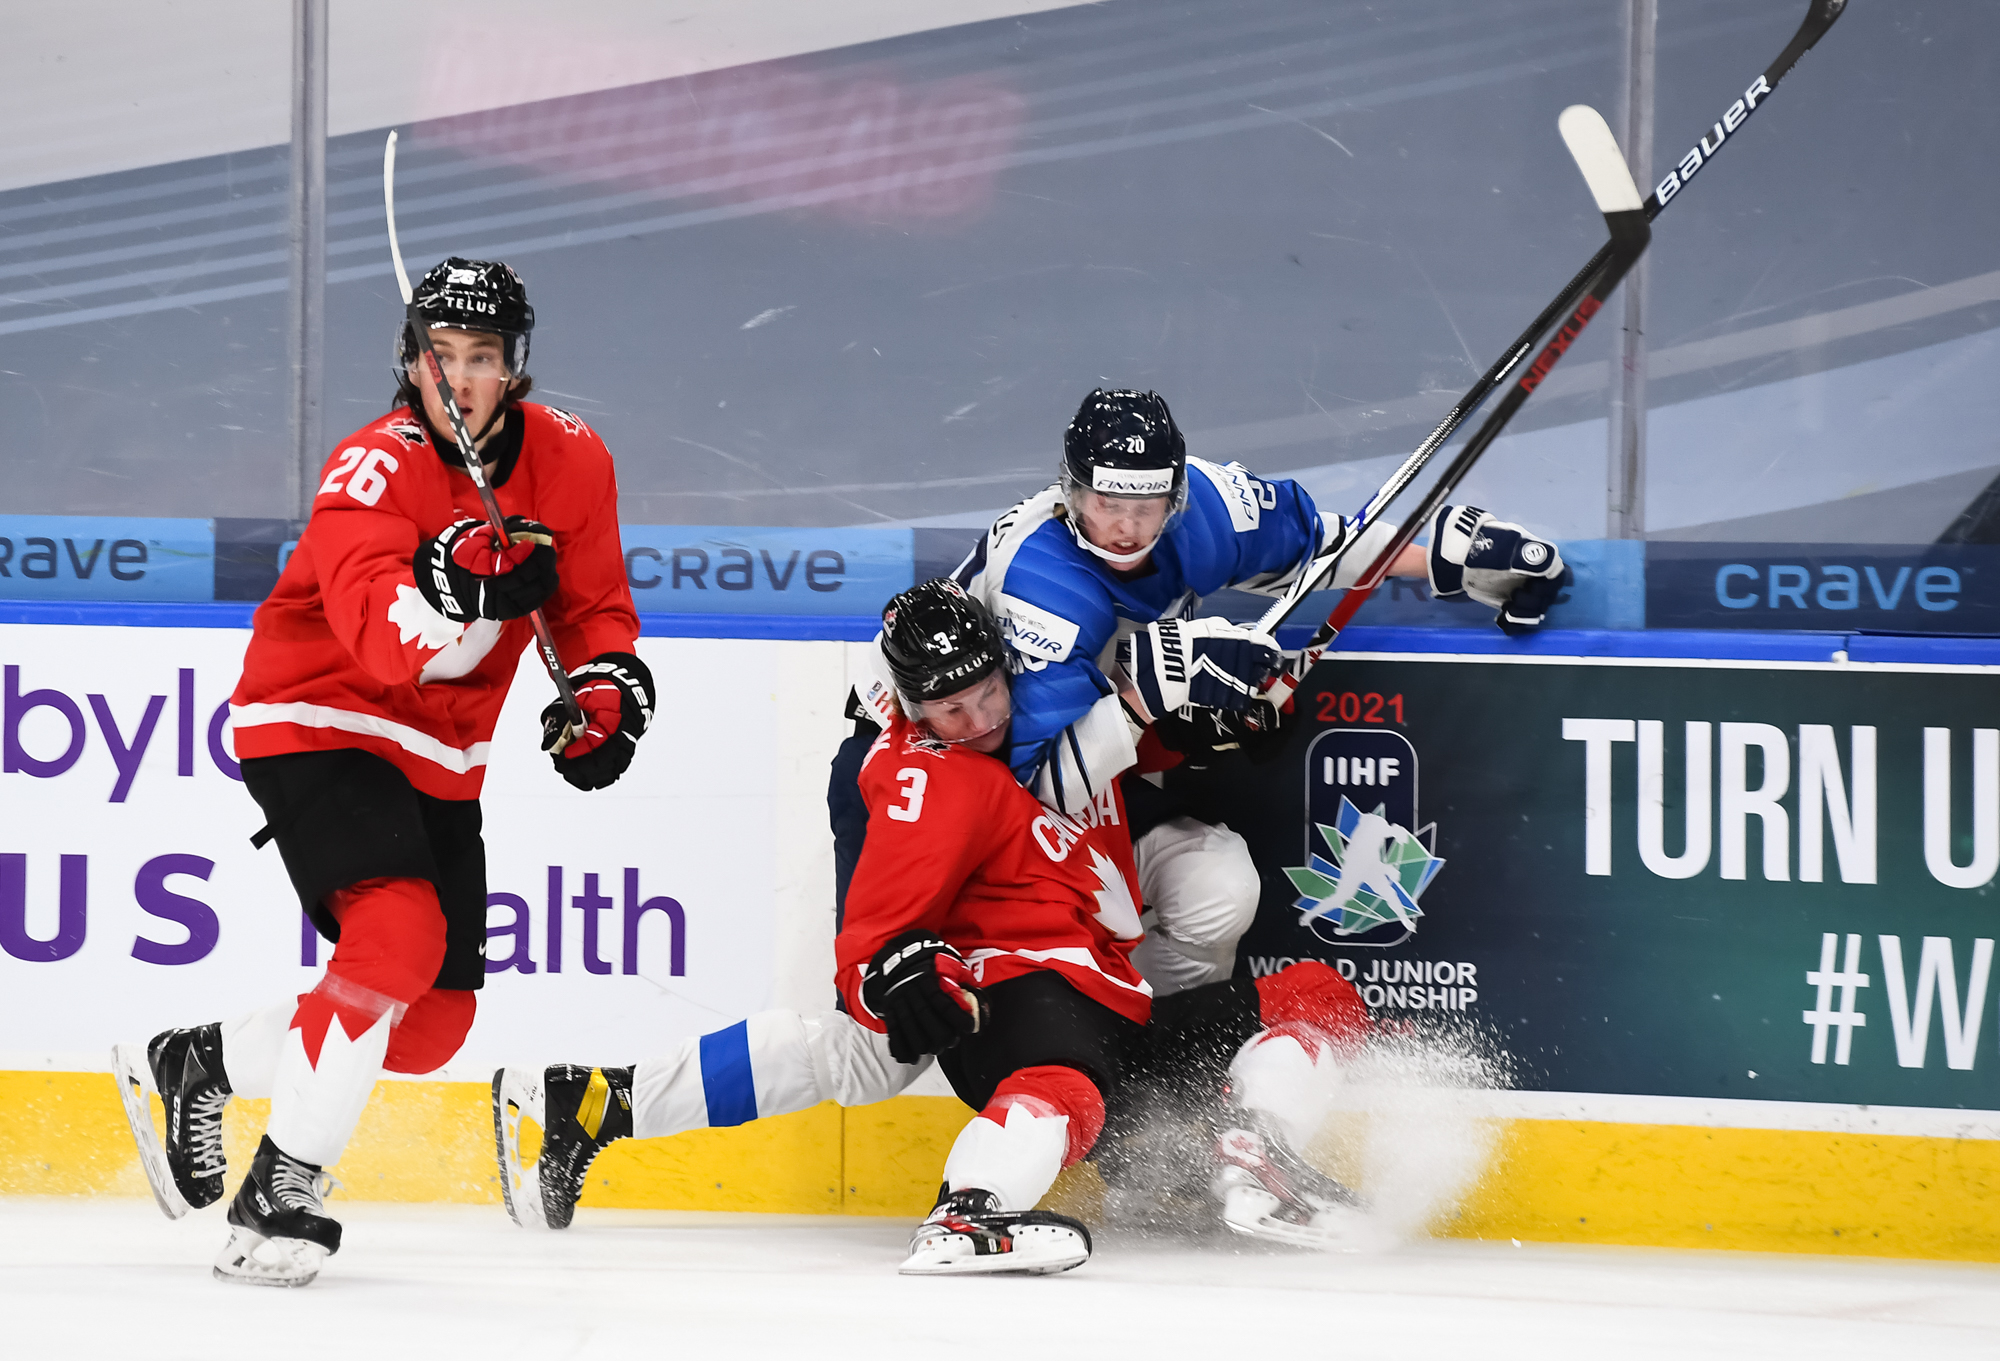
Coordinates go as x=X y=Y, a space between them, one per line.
x=340 y=817
x=1178 y=1059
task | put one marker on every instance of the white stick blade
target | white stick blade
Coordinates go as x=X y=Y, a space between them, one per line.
x=1590 y=141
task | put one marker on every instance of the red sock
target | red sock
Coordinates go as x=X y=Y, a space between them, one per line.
x=1314 y=994
x=1053 y=1090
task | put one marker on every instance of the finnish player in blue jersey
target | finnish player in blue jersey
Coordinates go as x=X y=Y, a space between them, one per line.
x=1095 y=582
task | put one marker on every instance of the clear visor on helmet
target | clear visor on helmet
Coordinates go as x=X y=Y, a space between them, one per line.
x=466 y=356
x=1121 y=527
x=979 y=710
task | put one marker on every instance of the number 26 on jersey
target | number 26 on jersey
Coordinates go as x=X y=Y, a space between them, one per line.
x=367 y=481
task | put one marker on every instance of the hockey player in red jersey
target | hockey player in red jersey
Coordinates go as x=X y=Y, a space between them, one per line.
x=995 y=934
x=375 y=674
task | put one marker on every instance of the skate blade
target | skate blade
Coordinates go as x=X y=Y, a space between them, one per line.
x=1039 y=1250
x=136 y=1090
x=249 y=1258
x=517 y=1094
x=1337 y=1229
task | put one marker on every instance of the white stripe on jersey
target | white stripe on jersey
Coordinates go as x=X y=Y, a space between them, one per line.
x=457 y=760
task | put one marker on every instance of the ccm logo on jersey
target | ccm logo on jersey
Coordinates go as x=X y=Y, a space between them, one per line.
x=1034 y=632
x=1246 y=497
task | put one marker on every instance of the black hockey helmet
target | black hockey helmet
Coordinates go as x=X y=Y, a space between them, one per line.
x=1125 y=443
x=938 y=641
x=473 y=295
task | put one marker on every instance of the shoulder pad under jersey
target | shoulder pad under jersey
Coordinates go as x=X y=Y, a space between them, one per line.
x=873 y=684
x=1052 y=604
x=1244 y=496
x=570 y=424
x=986 y=565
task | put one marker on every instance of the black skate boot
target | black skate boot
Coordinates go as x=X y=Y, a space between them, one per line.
x=279 y=1230
x=1266 y=1190
x=968 y=1234
x=584 y=1110
x=185 y=1068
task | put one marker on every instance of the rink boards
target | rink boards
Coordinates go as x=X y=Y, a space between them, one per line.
x=696 y=891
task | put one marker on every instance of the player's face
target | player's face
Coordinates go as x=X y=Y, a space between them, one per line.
x=976 y=716
x=475 y=364
x=1120 y=524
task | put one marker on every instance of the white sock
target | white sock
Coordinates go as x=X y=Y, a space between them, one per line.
x=251 y=1044
x=1290 y=1074
x=315 y=1106
x=1017 y=1161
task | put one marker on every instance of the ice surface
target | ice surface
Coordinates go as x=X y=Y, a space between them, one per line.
x=111 y=1278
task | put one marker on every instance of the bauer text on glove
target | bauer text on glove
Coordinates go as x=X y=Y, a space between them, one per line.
x=924 y=993
x=615 y=690
x=465 y=573
x=1211 y=663
x=1497 y=564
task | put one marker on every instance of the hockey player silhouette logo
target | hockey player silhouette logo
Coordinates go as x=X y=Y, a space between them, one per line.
x=1365 y=868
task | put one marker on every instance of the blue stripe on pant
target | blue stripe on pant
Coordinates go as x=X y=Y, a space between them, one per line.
x=726 y=1079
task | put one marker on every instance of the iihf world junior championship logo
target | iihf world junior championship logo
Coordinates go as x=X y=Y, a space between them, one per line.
x=1364 y=870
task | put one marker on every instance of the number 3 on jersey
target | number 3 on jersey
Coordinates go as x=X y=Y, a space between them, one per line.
x=912 y=806
x=370 y=479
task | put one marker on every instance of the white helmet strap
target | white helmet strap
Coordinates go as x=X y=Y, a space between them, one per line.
x=1115 y=559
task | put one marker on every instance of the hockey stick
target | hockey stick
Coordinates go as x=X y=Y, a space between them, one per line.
x=1819 y=18
x=545 y=640
x=1596 y=153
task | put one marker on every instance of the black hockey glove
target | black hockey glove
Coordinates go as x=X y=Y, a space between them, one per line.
x=1496 y=563
x=1207 y=662
x=1528 y=607
x=1258 y=732
x=924 y=993
x=616 y=692
x=465 y=574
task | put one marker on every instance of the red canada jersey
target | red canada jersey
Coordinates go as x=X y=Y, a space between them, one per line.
x=956 y=846
x=347 y=653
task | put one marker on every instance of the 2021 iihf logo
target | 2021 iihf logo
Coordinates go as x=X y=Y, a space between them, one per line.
x=1365 y=868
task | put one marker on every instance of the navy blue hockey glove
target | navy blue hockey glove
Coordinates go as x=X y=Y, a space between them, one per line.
x=1211 y=663
x=924 y=993
x=1496 y=563
x=465 y=573
x=616 y=692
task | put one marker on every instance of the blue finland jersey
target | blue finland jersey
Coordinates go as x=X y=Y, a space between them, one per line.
x=1059 y=605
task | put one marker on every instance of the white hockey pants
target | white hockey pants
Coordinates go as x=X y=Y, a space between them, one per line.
x=1201 y=890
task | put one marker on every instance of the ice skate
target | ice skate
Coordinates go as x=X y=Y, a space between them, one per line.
x=581 y=1111
x=517 y=1099
x=1266 y=1190
x=279 y=1231
x=184 y=1067
x=967 y=1234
